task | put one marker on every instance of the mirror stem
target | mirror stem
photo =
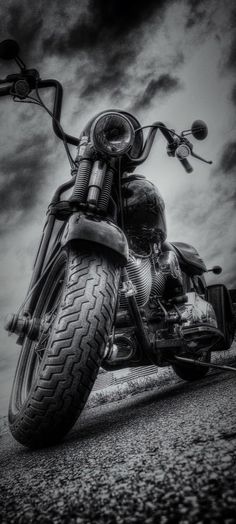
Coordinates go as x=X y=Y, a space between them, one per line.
x=20 y=63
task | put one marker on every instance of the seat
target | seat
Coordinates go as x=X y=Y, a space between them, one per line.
x=189 y=258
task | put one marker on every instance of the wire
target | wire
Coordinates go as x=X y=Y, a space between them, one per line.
x=72 y=163
x=120 y=194
x=158 y=127
x=26 y=101
x=39 y=102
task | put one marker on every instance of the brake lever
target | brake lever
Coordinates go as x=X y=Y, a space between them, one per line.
x=200 y=158
x=186 y=142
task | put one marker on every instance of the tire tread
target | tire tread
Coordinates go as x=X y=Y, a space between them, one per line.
x=74 y=353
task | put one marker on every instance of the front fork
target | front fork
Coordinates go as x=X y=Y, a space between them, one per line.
x=91 y=193
x=92 y=189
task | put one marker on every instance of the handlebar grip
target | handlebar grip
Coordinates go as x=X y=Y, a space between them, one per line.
x=186 y=164
x=5 y=90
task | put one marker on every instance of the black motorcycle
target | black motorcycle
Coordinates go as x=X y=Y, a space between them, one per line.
x=107 y=288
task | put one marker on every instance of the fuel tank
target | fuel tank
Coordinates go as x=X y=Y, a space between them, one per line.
x=144 y=211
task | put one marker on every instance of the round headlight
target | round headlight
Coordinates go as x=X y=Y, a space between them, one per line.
x=113 y=134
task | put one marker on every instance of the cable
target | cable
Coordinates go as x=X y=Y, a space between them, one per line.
x=158 y=127
x=26 y=101
x=72 y=163
x=39 y=102
x=120 y=194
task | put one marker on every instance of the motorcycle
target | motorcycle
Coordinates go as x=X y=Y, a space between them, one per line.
x=107 y=290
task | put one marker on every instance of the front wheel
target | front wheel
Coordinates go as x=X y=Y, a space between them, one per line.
x=55 y=375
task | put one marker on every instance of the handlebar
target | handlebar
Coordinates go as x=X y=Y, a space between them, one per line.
x=149 y=141
x=32 y=77
x=56 y=106
x=5 y=90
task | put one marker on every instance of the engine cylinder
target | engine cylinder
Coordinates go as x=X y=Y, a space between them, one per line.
x=147 y=281
x=140 y=274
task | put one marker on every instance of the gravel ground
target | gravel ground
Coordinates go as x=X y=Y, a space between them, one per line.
x=164 y=456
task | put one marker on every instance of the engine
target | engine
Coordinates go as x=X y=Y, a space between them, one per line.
x=146 y=280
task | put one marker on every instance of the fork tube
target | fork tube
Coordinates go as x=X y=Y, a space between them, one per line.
x=46 y=235
x=96 y=181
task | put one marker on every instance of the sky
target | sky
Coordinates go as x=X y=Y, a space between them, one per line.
x=165 y=60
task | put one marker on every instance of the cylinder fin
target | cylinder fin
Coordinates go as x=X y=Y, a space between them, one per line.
x=81 y=184
x=140 y=274
x=106 y=191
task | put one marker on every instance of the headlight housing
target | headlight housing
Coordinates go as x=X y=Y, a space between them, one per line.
x=112 y=134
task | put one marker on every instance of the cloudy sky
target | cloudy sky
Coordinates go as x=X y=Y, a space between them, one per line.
x=172 y=61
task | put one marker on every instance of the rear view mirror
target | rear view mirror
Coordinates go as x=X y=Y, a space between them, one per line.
x=199 y=129
x=9 y=49
x=216 y=270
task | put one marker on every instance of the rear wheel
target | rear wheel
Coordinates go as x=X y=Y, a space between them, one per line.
x=218 y=296
x=55 y=375
x=193 y=372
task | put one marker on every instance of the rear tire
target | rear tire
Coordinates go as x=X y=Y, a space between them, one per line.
x=190 y=372
x=50 y=392
x=219 y=298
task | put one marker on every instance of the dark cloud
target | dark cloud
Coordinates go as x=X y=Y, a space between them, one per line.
x=112 y=75
x=233 y=95
x=227 y=163
x=178 y=59
x=108 y=35
x=223 y=178
x=24 y=24
x=22 y=177
x=99 y=24
x=21 y=23
x=197 y=13
x=162 y=86
x=230 y=55
x=231 y=61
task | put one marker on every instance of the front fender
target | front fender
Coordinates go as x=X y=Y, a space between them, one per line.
x=98 y=230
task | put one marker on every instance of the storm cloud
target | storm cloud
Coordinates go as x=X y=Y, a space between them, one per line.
x=227 y=163
x=112 y=76
x=22 y=177
x=160 y=87
x=100 y=24
x=231 y=61
x=197 y=12
x=233 y=95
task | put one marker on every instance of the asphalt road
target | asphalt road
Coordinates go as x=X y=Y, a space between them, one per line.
x=164 y=456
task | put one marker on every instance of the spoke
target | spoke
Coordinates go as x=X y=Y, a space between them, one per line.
x=42 y=342
x=50 y=313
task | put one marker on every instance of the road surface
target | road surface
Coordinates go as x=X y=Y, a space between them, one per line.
x=163 y=456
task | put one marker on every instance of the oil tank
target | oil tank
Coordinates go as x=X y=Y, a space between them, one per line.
x=144 y=212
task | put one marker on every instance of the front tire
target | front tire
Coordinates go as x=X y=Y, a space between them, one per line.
x=51 y=388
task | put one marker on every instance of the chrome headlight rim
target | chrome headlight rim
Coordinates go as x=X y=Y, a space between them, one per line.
x=110 y=148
